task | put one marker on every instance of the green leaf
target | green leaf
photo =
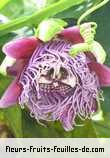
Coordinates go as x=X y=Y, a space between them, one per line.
x=17 y=8
x=31 y=128
x=102 y=128
x=78 y=10
x=3 y=3
x=43 y=3
x=38 y=16
x=13 y=116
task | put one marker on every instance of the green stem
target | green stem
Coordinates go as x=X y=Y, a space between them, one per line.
x=88 y=12
x=38 y=16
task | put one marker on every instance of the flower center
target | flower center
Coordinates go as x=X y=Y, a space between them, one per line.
x=57 y=86
x=57 y=79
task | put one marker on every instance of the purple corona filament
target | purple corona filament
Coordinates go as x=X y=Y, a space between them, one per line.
x=57 y=86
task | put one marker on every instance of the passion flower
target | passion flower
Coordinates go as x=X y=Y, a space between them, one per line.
x=52 y=84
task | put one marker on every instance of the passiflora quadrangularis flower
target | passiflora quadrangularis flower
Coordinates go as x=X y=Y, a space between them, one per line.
x=52 y=84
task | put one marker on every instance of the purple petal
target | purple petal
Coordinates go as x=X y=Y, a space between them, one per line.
x=17 y=67
x=102 y=71
x=72 y=34
x=21 y=48
x=11 y=95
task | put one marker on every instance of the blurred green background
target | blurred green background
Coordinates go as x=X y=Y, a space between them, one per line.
x=15 y=122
